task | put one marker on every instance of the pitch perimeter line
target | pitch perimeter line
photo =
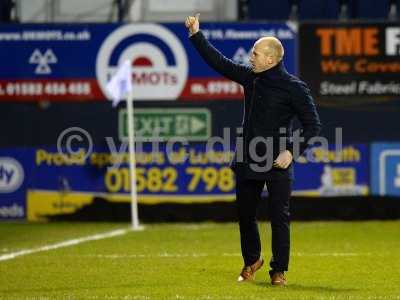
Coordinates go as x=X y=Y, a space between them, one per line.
x=200 y=255
x=64 y=244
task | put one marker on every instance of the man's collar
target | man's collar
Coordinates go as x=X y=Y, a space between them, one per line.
x=276 y=71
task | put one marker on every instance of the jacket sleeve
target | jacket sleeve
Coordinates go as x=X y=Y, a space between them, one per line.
x=305 y=110
x=218 y=61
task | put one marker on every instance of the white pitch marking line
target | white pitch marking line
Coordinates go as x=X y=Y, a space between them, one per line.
x=332 y=254
x=198 y=255
x=66 y=243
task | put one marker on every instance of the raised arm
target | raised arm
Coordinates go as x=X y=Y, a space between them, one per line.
x=212 y=56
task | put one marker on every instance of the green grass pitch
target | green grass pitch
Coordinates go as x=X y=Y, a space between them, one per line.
x=329 y=260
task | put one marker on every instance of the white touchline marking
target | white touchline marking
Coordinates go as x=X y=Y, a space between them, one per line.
x=332 y=254
x=199 y=255
x=66 y=243
x=160 y=255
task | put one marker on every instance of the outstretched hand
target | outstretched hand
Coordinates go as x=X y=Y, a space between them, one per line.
x=193 y=24
x=283 y=160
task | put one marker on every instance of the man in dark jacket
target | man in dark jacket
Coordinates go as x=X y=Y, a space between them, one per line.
x=273 y=98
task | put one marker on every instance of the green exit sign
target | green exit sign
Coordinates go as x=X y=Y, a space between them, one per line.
x=151 y=124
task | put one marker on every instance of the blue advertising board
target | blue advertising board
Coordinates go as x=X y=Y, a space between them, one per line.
x=73 y=62
x=385 y=169
x=15 y=170
x=333 y=171
x=60 y=183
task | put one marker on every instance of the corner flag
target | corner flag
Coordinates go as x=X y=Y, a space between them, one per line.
x=120 y=85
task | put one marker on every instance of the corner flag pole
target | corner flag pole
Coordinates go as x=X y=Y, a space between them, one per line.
x=132 y=162
x=119 y=86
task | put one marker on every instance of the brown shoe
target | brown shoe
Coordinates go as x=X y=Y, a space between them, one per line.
x=248 y=272
x=278 y=278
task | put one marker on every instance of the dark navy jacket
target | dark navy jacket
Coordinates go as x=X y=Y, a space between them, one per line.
x=272 y=99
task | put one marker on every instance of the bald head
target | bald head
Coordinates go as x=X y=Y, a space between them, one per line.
x=271 y=46
x=267 y=52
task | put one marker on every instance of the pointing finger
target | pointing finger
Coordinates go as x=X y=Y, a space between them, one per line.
x=197 y=16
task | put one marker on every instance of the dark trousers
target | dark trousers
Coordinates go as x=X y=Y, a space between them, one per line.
x=248 y=196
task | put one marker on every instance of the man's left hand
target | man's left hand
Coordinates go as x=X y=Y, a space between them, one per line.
x=283 y=160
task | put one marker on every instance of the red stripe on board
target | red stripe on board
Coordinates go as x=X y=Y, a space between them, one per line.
x=211 y=89
x=80 y=89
